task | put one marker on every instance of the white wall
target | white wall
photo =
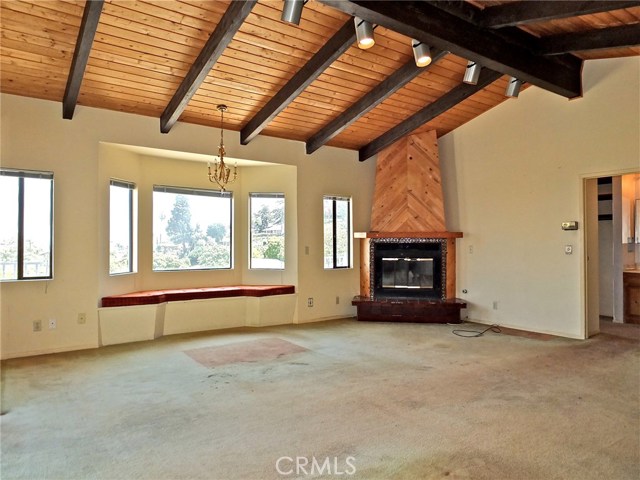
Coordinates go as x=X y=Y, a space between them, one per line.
x=512 y=175
x=34 y=136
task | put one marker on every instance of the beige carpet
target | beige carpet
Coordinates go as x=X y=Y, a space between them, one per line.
x=395 y=401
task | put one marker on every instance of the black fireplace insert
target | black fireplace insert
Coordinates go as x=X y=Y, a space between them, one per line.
x=408 y=268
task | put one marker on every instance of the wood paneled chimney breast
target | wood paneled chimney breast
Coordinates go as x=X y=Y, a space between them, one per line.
x=408 y=191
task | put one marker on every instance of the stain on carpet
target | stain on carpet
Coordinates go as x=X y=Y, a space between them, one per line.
x=244 y=352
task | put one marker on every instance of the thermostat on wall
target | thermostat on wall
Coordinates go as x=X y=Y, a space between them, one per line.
x=569 y=225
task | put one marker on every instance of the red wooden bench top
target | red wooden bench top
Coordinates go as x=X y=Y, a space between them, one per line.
x=152 y=297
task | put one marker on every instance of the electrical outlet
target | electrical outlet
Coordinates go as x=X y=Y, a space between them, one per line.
x=470 y=248
x=568 y=249
x=337 y=299
x=82 y=318
x=495 y=304
x=310 y=302
x=37 y=325
x=52 y=324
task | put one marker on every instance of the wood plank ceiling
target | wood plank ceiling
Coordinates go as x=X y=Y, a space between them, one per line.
x=143 y=50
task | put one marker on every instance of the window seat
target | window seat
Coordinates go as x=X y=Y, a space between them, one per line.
x=152 y=314
x=153 y=297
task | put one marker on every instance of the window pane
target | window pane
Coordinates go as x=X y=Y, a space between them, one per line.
x=9 y=228
x=191 y=229
x=120 y=229
x=328 y=232
x=267 y=231
x=37 y=227
x=25 y=224
x=337 y=232
x=343 y=235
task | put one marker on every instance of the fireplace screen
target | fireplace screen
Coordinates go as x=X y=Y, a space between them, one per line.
x=407 y=273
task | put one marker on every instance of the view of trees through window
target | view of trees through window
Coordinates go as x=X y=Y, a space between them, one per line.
x=121 y=227
x=26 y=229
x=191 y=229
x=267 y=230
x=337 y=232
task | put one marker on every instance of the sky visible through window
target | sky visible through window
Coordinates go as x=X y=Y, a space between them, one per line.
x=191 y=231
x=267 y=231
x=119 y=229
x=37 y=226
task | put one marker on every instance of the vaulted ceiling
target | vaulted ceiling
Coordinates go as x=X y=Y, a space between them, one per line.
x=177 y=60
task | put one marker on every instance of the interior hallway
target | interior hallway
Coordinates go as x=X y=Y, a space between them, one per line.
x=403 y=400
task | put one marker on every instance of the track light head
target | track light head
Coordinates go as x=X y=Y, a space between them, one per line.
x=513 y=87
x=292 y=11
x=421 y=53
x=472 y=73
x=364 y=33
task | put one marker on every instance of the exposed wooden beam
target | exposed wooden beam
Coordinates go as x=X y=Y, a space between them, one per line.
x=492 y=49
x=324 y=57
x=224 y=32
x=88 y=26
x=431 y=111
x=613 y=37
x=520 y=13
x=382 y=91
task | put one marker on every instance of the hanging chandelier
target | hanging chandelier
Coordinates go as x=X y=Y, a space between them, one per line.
x=221 y=174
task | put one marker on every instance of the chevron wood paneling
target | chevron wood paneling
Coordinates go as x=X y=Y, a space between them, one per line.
x=408 y=191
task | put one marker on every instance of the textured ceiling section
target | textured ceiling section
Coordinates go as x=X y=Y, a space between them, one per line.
x=143 y=50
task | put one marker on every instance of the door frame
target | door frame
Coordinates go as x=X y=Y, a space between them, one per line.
x=589 y=302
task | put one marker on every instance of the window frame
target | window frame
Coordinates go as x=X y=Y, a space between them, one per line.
x=334 y=199
x=195 y=191
x=132 y=188
x=21 y=175
x=284 y=227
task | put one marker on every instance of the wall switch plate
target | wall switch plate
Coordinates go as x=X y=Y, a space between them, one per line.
x=82 y=318
x=310 y=302
x=37 y=325
x=568 y=249
x=573 y=225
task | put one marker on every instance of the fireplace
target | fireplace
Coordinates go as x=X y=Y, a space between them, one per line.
x=408 y=268
x=408 y=259
x=408 y=277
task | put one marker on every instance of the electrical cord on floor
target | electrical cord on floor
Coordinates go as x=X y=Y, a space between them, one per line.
x=476 y=333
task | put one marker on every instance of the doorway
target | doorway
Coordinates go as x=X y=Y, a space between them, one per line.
x=610 y=245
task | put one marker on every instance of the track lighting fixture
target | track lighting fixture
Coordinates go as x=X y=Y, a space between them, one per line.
x=292 y=11
x=513 y=87
x=472 y=73
x=364 y=33
x=421 y=53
